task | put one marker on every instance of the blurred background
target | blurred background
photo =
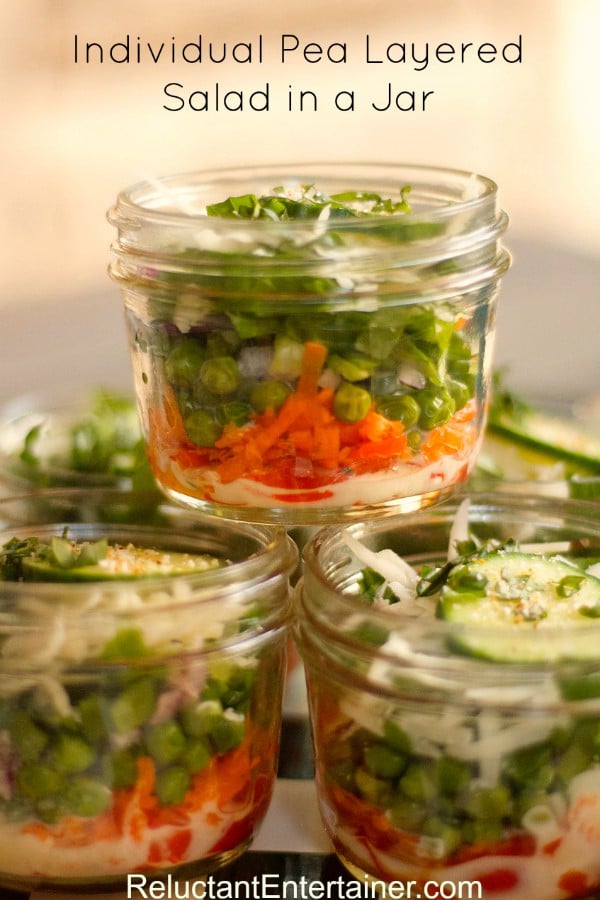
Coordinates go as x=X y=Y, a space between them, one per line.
x=74 y=134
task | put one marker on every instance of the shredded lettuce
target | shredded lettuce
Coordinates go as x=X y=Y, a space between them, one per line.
x=311 y=204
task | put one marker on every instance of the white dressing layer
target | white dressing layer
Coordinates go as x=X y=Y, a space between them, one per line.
x=25 y=855
x=404 y=480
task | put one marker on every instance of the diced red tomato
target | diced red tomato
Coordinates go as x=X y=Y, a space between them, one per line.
x=574 y=883
x=498 y=880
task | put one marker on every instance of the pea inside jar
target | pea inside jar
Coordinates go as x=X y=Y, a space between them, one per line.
x=311 y=352
x=242 y=397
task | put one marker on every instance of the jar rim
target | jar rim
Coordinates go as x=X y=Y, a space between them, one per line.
x=275 y=552
x=446 y=245
x=135 y=200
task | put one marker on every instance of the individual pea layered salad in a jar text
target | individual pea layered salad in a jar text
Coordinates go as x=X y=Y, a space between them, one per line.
x=314 y=348
x=455 y=699
x=141 y=686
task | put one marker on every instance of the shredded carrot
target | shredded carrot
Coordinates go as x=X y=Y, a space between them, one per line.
x=327 y=445
x=167 y=815
x=223 y=779
x=457 y=436
x=305 y=427
x=166 y=438
x=325 y=398
x=240 y=780
x=233 y=468
x=301 y=446
x=142 y=800
x=295 y=411
x=166 y=420
x=372 y=826
x=386 y=449
x=313 y=361
x=302 y=439
x=375 y=427
x=39 y=830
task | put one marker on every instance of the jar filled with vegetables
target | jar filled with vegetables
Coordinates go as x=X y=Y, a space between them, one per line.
x=141 y=680
x=453 y=671
x=72 y=438
x=310 y=344
x=534 y=446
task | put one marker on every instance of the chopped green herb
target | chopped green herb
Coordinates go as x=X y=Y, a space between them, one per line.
x=310 y=205
x=14 y=552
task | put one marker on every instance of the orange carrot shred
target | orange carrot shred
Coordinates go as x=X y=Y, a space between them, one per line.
x=313 y=361
x=302 y=445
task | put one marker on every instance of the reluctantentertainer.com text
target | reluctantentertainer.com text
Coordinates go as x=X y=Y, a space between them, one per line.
x=273 y=887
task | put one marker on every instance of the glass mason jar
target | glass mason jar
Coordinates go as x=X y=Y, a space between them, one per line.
x=72 y=438
x=506 y=466
x=537 y=446
x=455 y=753
x=140 y=717
x=300 y=363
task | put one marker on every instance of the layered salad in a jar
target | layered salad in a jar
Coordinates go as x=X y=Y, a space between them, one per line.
x=70 y=438
x=537 y=445
x=305 y=354
x=457 y=721
x=140 y=704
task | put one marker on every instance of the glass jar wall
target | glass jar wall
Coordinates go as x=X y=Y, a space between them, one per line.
x=457 y=740
x=311 y=344
x=142 y=665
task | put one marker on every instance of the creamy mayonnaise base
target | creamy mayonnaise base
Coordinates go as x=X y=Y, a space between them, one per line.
x=404 y=480
x=535 y=877
x=28 y=856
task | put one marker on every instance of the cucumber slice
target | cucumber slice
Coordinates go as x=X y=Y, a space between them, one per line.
x=121 y=562
x=521 y=607
x=584 y=487
x=504 y=458
x=554 y=436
